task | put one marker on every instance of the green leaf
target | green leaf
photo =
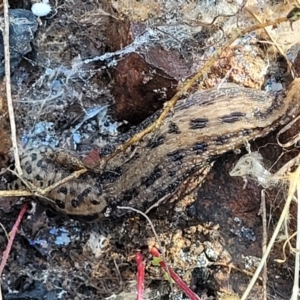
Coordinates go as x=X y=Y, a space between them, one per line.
x=156 y=261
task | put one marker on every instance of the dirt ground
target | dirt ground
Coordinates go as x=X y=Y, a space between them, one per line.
x=75 y=88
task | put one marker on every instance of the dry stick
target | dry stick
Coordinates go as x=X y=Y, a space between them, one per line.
x=292 y=16
x=35 y=191
x=74 y=175
x=285 y=211
x=8 y=89
x=18 y=193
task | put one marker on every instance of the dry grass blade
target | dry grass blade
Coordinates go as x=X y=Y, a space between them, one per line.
x=8 y=88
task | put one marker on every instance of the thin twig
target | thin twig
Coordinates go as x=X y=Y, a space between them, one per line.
x=18 y=193
x=8 y=89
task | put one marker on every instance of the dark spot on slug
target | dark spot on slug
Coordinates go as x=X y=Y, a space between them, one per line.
x=176 y=155
x=238 y=114
x=73 y=192
x=173 y=128
x=156 y=141
x=39 y=163
x=149 y=180
x=60 y=204
x=95 y=202
x=44 y=166
x=200 y=148
x=233 y=117
x=63 y=190
x=80 y=198
x=130 y=194
x=221 y=140
x=198 y=123
x=74 y=203
x=246 y=132
x=86 y=192
x=33 y=156
x=230 y=119
x=111 y=176
x=172 y=173
x=38 y=177
x=28 y=169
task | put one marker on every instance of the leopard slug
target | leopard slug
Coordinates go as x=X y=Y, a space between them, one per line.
x=201 y=127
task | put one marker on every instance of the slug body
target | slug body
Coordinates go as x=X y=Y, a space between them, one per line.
x=200 y=128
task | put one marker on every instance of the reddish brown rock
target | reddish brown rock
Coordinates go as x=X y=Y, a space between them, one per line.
x=144 y=79
x=144 y=82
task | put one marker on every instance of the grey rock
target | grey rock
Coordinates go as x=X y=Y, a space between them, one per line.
x=23 y=25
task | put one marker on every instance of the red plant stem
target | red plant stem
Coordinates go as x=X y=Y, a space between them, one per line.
x=140 y=275
x=12 y=237
x=175 y=277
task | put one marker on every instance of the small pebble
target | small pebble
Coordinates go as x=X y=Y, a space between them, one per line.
x=41 y=9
